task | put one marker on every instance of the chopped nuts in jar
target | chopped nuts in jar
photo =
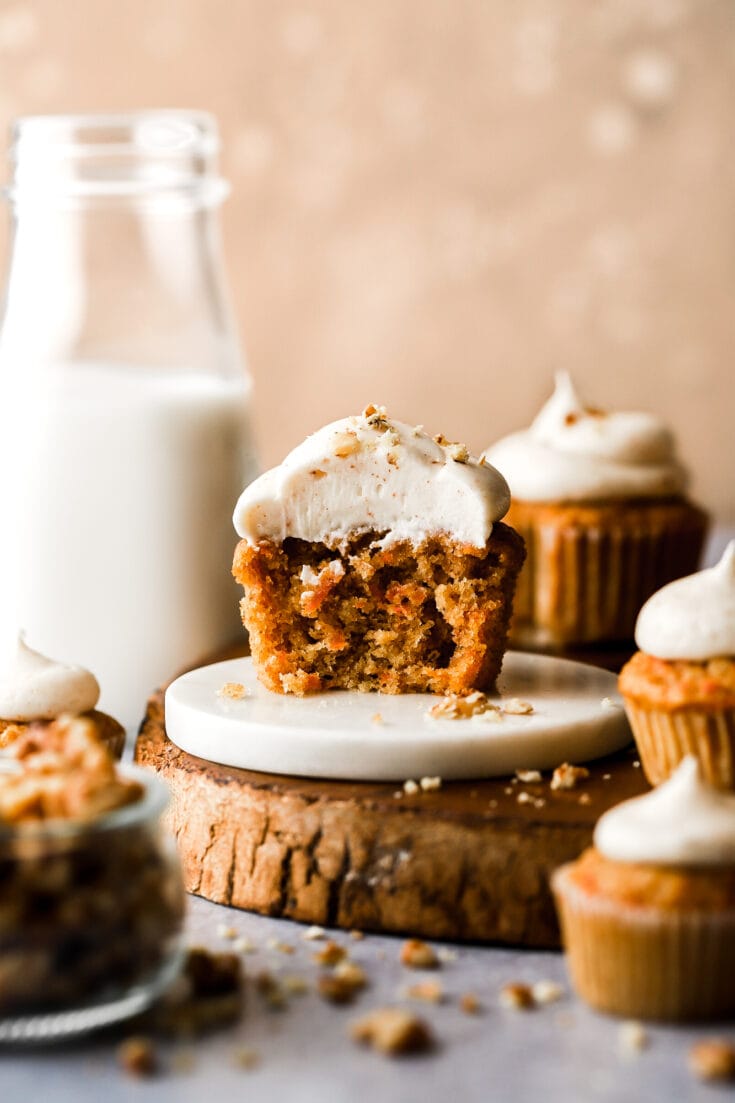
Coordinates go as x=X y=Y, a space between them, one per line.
x=91 y=900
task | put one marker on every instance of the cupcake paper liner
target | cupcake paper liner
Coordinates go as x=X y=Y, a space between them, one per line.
x=664 y=738
x=586 y=580
x=647 y=962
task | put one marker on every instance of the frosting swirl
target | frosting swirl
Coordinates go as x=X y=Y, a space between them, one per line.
x=577 y=453
x=694 y=617
x=682 y=822
x=34 y=687
x=371 y=474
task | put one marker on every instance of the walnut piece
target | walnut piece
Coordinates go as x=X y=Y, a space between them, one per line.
x=518 y=997
x=455 y=707
x=393 y=1031
x=418 y=955
x=330 y=954
x=567 y=776
x=428 y=991
x=712 y=1059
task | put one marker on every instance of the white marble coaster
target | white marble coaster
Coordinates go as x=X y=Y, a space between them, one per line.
x=376 y=737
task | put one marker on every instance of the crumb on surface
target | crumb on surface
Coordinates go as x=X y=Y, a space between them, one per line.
x=331 y=953
x=528 y=777
x=524 y=798
x=377 y=718
x=608 y=703
x=393 y=1031
x=295 y=985
x=410 y=787
x=428 y=991
x=245 y=1058
x=514 y=706
x=546 y=991
x=469 y=1003
x=281 y=947
x=417 y=954
x=234 y=690
x=585 y=798
x=137 y=1056
x=357 y=936
x=568 y=776
x=712 y=1059
x=456 y=707
x=632 y=1036
x=224 y=931
x=447 y=954
x=517 y=997
x=430 y=784
x=268 y=987
x=335 y=989
x=314 y=934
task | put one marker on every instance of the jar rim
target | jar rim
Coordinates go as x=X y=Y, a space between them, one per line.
x=152 y=804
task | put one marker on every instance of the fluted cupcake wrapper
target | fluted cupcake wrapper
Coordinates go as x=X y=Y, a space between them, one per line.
x=646 y=963
x=585 y=581
x=665 y=737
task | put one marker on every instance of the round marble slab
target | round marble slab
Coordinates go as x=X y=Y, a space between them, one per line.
x=577 y=716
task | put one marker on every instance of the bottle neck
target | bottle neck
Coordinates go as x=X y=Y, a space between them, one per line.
x=116 y=256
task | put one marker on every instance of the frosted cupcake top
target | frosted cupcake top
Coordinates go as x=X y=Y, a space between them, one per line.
x=372 y=474
x=694 y=617
x=685 y=821
x=578 y=453
x=34 y=687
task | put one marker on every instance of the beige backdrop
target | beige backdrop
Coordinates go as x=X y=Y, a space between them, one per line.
x=438 y=202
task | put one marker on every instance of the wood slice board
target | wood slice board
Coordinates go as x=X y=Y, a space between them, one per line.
x=466 y=862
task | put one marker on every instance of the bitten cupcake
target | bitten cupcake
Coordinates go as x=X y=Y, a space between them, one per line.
x=648 y=913
x=599 y=499
x=35 y=689
x=374 y=558
x=679 y=689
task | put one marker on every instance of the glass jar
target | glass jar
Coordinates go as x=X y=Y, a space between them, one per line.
x=125 y=402
x=90 y=918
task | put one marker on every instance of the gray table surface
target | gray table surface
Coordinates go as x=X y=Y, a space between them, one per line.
x=560 y=1052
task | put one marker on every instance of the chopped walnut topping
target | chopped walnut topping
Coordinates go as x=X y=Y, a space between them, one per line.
x=518 y=997
x=469 y=1003
x=528 y=776
x=515 y=707
x=346 y=444
x=546 y=991
x=235 y=690
x=313 y=934
x=393 y=1031
x=418 y=955
x=455 y=707
x=137 y=1057
x=632 y=1037
x=430 y=784
x=460 y=453
x=392 y=458
x=439 y=438
x=376 y=417
x=566 y=776
x=317 y=473
x=428 y=991
x=410 y=787
x=712 y=1059
x=418 y=430
x=330 y=954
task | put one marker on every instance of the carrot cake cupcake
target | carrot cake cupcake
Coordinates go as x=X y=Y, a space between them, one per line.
x=374 y=558
x=679 y=689
x=648 y=913
x=34 y=688
x=599 y=499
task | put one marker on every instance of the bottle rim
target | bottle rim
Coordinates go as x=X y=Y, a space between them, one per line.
x=137 y=153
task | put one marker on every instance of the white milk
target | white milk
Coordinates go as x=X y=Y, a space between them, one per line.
x=116 y=492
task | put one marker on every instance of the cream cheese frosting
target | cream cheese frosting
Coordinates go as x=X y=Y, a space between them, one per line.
x=692 y=618
x=372 y=474
x=685 y=821
x=577 y=453
x=34 y=687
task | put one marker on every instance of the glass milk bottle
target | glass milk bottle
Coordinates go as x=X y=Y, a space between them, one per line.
x=124 y=402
